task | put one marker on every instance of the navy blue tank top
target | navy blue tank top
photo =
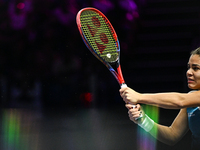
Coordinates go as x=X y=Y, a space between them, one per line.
x=194 y=125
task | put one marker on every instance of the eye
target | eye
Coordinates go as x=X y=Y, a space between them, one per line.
x=195 y=68
x=188 y=66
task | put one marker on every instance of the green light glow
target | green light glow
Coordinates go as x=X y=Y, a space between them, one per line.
x=12 y=130
x=145 y=140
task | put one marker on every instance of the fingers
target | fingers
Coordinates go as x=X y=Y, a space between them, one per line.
x=130 y=106
x=133 y=115
x=134 y=112
x=122 y=89
x=124 y=94
x=128 y=95
x=138 y=106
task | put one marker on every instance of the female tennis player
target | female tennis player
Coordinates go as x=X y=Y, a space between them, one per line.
x=188 y=103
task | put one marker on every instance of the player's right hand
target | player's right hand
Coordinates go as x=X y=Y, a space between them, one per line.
x=129 y=95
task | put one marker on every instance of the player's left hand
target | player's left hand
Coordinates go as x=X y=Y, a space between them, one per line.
x=135 y=113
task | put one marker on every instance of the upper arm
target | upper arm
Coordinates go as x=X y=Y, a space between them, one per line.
x=191 y=100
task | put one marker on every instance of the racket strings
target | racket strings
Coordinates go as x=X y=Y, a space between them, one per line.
x=109 y=48
x=90 y=32
x=100 y=35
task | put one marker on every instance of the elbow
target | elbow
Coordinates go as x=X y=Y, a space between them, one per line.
x=170 y=142
x=173 y=142
x=175 y=105
x=174 y=137
x=179 y=104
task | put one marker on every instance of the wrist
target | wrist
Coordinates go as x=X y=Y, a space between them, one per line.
x=140 y=98
x=147 y=123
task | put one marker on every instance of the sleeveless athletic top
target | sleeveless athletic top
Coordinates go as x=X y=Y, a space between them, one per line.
x=194 y=125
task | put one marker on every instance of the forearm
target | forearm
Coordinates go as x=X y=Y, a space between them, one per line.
x=164 y=134
x=171 y=100
x=164 y=100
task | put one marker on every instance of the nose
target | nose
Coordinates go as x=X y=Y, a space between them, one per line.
x=189 y=72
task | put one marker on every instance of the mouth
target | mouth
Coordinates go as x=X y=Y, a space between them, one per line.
x=190 y=80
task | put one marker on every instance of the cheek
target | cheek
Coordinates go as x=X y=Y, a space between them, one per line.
x=197 y=78
x=196 y=84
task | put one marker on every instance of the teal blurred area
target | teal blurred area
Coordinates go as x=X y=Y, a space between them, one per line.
x=77 y=129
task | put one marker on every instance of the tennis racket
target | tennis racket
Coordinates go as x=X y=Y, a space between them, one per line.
x=101 y=39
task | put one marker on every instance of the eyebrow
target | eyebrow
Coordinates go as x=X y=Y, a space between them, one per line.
x=194 y=65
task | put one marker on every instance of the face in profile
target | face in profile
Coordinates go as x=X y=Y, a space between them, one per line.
x=193 y=72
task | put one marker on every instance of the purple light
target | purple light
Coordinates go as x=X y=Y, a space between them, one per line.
x=129 y=16
x=20 y=5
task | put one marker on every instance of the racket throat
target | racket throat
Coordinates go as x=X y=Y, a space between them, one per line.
x=121 y=78
x=115 y=69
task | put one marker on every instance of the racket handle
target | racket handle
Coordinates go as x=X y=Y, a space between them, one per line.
x=123 y=85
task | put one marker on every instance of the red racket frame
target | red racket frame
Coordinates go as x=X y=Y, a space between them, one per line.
x=117 y=73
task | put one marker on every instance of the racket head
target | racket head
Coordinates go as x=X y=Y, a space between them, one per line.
x=98 y=35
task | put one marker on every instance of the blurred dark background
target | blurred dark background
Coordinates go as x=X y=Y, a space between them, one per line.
x=44 y=63
x=44 y=60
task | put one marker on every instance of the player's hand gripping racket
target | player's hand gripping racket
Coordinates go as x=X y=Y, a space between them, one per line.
x=101 y=39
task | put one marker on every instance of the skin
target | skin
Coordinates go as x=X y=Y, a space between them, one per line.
x=170 y=100
x=172 y=134
x=193 y=73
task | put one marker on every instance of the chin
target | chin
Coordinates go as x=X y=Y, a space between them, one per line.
x=192 y=87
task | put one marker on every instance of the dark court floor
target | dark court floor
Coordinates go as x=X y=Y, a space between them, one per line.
x=77 y=128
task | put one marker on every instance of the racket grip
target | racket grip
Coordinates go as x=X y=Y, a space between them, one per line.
x=123 y=85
